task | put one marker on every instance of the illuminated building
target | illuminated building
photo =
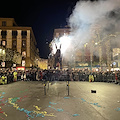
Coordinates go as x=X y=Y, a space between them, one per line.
x=61 y=31
x=21 y=39
x=55 y=59
x=43 y=64
x=93 y=54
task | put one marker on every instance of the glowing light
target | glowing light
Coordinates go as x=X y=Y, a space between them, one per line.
x=96 y=43
x=3 y=51
x=112 y=69
x=65 y=43
x=85 y=45
x=60 y=43
x=0 y=50
x=96 y=69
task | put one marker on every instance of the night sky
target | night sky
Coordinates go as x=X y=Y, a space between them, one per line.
x=43 y=16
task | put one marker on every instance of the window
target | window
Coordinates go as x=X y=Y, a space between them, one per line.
x=14 y=43
x=4 y=33
x=57 y=34
x=14 y=34
x=23 y=62
x=3 y=43
x=24 y=34
x=24 y=54
x=3 y=23
x=24 y=43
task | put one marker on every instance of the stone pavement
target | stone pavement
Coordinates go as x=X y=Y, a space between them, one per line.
x=25 y=100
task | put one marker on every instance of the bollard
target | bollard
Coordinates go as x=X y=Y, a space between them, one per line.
x=68 y=87
x=48 y=85
x=44 y=88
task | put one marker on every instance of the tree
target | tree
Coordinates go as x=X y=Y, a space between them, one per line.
x=10 y=56
x=17 y=58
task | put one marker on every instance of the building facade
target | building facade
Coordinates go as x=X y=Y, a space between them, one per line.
x=20 y=39
x=92 y=55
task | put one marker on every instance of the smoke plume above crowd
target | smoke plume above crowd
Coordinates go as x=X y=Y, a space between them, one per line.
x=88 y=17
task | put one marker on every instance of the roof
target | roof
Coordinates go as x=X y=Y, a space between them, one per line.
x=11 y=19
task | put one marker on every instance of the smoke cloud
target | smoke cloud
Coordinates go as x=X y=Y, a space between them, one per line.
x=88 y=17
x=91 y=21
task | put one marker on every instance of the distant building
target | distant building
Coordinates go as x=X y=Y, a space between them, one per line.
x=43 y=64
x=59 y=32
x=57 y=61
x=74 y=60
x=21 y=39
x=90 y=55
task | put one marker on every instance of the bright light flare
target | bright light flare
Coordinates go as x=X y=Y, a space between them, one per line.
x=65 y=43
x=61 y=43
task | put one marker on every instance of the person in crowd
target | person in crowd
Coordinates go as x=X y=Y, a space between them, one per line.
x=31 y=75
x=91 y=78
x=37 y=75
x=27 y=75
x=15 y=76
x=40 y=75
x=45 y=75
x=10 y=76
x=119 y=78
x=34 y=75
x=68 y=75
x=19 y=75
x=24 y=76
x=116 y=78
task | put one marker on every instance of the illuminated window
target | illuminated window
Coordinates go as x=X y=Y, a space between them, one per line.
x=0 y=50
x=24 y=43
x=3 y=23
x=3 y=51
x=3 y=43
x=23 y=62
x=57 y=34
x=24 y=54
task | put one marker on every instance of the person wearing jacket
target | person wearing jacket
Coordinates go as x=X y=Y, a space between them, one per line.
x=15 y=76
x=91 y=78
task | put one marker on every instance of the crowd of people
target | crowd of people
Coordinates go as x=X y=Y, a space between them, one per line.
x=7 y=75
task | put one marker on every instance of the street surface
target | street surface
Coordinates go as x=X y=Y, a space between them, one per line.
x=25 y=100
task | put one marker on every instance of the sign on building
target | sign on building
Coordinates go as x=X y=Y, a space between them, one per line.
x=23 y=62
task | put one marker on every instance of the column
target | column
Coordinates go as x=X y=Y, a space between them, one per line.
x=28 y=43
x=19 y=41
x=9 y=39
x=0 y=37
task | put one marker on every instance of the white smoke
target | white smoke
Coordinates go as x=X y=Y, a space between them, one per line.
x=87 y=20
x=86 y=15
